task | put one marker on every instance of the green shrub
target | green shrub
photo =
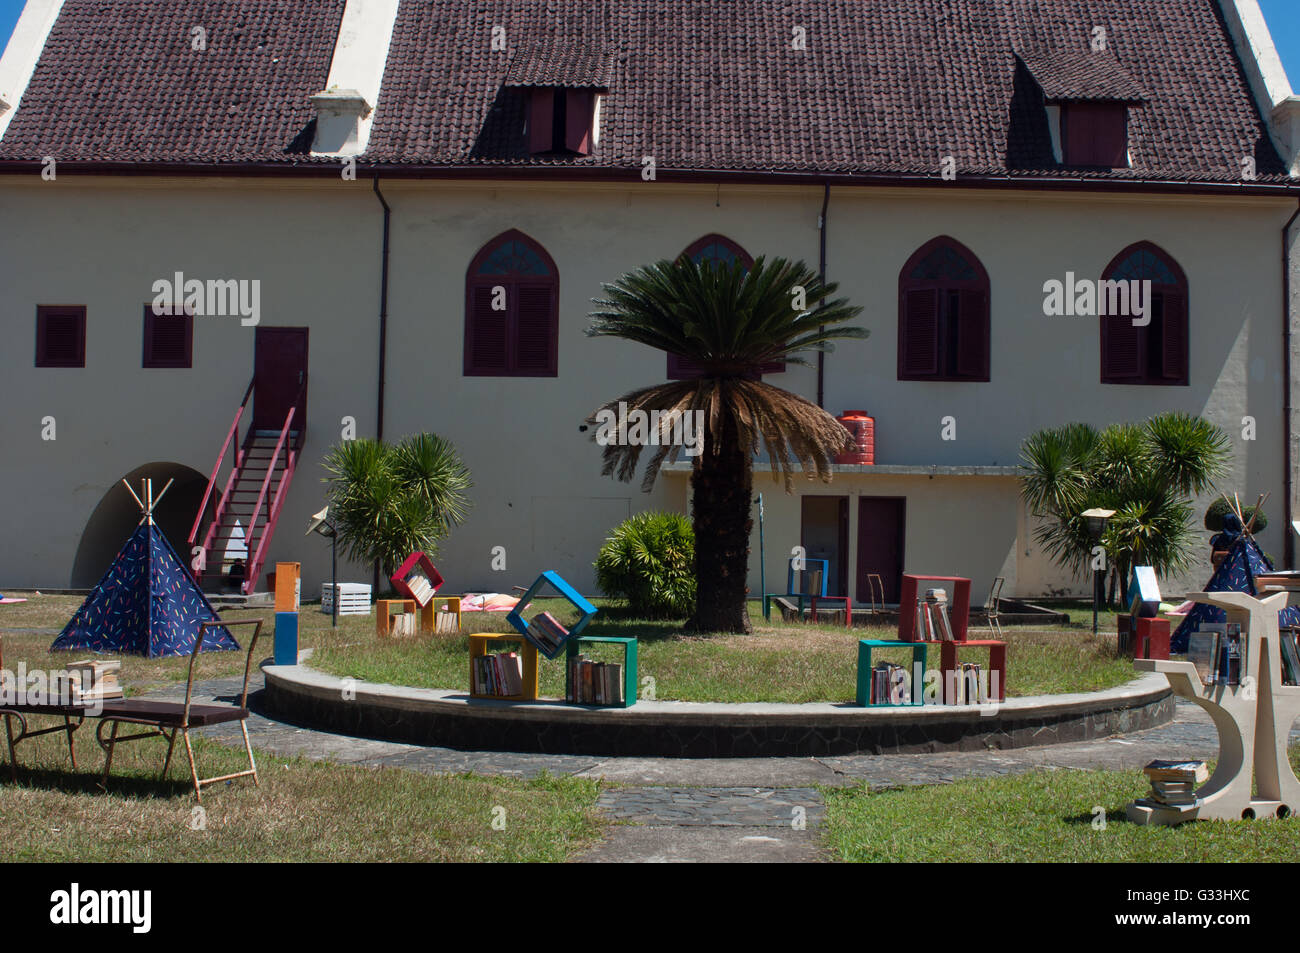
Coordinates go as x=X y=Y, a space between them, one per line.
x=1220 y=508
x=387 y=501
x=649 y=561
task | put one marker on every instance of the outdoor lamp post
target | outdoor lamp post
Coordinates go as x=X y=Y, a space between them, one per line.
x=1097 y=519
x=320 y=524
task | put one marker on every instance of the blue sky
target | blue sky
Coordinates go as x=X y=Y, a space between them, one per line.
x=1283 y=19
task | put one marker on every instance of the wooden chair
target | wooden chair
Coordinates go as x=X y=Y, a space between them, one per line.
x=991 y=606
x=168 y=718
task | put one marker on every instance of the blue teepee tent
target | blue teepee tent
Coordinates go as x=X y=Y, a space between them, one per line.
x=1236 y=573
x=146 y=604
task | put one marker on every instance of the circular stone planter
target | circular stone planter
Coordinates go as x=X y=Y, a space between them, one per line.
x=451 y=719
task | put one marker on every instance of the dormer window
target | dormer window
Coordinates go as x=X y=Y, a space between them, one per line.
x=561 y=120
x=1087 y=96
x=563 y=83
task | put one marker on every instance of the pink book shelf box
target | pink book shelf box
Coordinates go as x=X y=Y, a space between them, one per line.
x=417 y=579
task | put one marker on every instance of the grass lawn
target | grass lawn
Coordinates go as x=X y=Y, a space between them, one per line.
x=304 y=811
x=1041 y=816
x=779 y=663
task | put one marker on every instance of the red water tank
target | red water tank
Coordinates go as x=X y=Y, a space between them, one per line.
x=863 y=429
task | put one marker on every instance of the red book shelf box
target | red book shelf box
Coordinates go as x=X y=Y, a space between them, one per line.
x=910 y=630
x=410 y=576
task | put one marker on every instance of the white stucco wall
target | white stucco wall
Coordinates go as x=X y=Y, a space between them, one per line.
x=539 y=493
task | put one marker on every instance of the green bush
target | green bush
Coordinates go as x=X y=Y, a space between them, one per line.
x=387 y=501
x=649 y=561
x=1220 y=508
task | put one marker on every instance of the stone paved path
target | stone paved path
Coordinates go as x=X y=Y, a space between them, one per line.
x=717 y=809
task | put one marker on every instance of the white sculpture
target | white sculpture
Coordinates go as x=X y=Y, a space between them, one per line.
x=1253 y=718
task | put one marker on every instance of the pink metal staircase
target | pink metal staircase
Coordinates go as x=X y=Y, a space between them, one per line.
x=260 y=469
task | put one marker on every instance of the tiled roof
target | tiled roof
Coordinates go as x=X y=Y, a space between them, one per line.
x=1081 y=74
x=121 y=81
x=882 y=87
x=559 y=64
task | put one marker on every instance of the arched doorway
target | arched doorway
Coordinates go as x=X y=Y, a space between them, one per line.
x=117 y=515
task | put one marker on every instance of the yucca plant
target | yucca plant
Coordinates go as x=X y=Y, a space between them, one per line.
x=1146 y=473
x=388 y=501
x=729 y=321
x=649 y=561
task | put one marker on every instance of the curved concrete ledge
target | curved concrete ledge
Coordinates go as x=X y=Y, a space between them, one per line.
x=451 y=719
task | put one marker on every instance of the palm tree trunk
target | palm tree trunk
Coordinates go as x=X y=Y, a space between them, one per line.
x=722 y=486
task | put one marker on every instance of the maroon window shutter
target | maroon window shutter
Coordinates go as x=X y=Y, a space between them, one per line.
x=1122 y=352
x=168 y=339
x=535 y=330
x=683 y=369
x=60 y=336
x=578 y=111
x=973 y=334
x=1175 y=334
x=918 y=338
x=541 y=113
x=487 y=338
x=1096 y=134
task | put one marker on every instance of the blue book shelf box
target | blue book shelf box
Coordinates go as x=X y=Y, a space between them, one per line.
x=585 y=608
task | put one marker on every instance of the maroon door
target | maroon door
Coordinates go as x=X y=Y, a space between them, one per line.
x=280 y=372
x=825 y=535
x=881 y=522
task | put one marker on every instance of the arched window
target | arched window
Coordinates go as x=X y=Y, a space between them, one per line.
x=512 y=293
x=718 y=249
x=715 y=250
x=943 y=314
x=1155 y=350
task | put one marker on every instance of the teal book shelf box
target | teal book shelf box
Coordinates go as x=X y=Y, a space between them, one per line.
x=629 y=667
x=585 y=608
x=864 y=671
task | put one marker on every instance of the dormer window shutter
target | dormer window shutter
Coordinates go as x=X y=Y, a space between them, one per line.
x=541 y=115
x=1095 y=134
x=579 y=109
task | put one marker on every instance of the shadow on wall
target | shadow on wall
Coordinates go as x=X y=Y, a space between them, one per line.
x=117 y=515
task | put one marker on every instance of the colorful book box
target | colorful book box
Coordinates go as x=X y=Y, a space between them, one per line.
x=543 y=630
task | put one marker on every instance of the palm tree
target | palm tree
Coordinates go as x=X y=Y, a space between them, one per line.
x=1146 y=473
x=729 y=321
x=388 y=501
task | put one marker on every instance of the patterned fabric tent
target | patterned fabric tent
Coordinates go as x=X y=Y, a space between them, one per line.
x=1237 y=572
x=146 y=604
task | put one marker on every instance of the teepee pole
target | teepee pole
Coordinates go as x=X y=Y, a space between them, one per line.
x=158 y=498
x=133 y=496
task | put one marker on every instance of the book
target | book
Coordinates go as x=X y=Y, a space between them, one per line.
x=1179 y=771
x=1234 y=654
x=1290 y=659
x=1202 y=648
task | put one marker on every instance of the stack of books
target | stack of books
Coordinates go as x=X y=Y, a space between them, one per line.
x=968 y=685
x=499 y=674
x=594 y=683
x=889 y=685
x=404 y=624
x=935 y=620
x=1173 y=783
x=94 y=681
x=421 y=589
x=1290 y=658
x=545 y=632
x=1218 y=651
x=445 y=623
